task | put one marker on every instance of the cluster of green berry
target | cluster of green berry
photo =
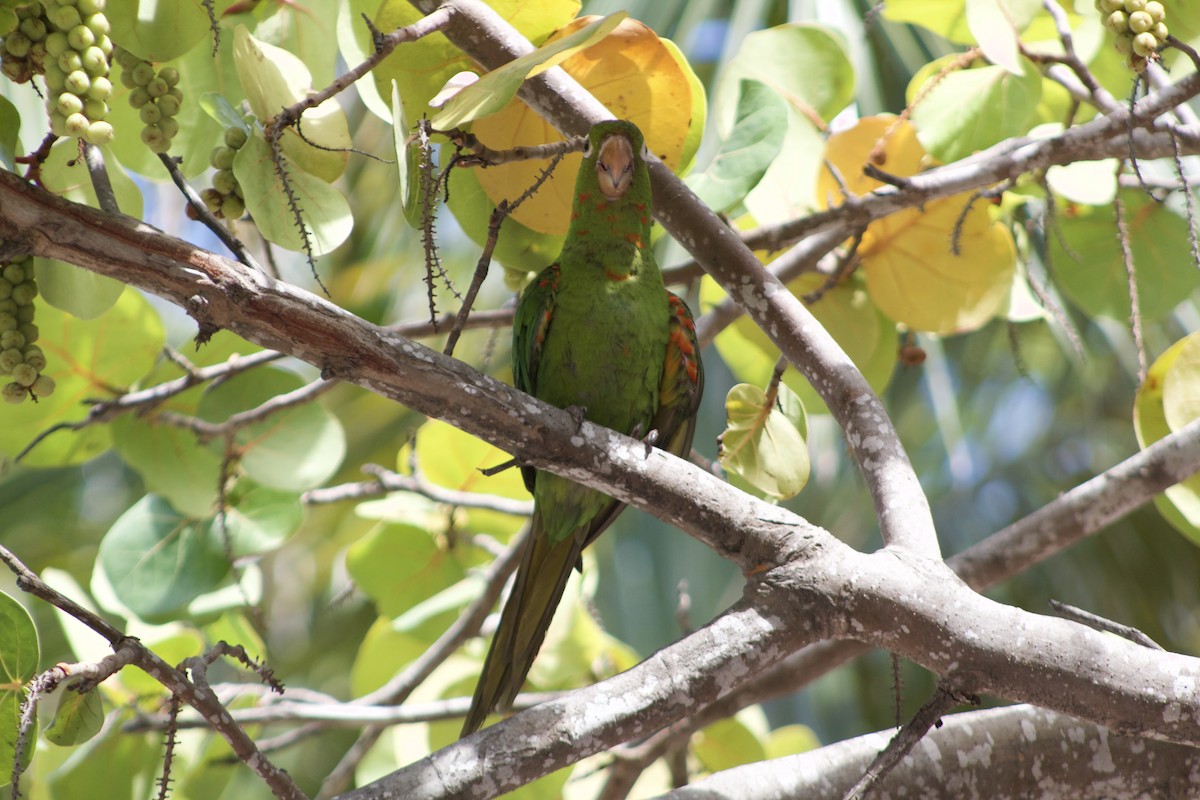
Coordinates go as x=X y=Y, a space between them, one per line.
x=155 y=95
x=224 y=199
x=77 y=50
x=20 y=358
x=1139 y=27
x=24 y=53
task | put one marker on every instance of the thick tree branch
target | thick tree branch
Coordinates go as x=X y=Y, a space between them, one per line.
x=1018 y=751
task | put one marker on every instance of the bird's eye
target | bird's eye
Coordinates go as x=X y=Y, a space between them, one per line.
x=587 y=147
x=645 y=150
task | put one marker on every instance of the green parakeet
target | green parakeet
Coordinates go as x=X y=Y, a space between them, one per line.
x=597 y=331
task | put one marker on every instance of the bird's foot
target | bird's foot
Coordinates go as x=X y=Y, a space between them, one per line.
x=579 y=414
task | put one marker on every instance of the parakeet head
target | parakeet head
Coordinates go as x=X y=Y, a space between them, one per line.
x=615 y=156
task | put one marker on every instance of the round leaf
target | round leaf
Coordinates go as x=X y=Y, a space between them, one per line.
x=323 y=208
x=158 y=561
x=764 y=444
x=79 y=717
x=19 y=654
x=1092 y=273
x=398 y=566
x=294 y=449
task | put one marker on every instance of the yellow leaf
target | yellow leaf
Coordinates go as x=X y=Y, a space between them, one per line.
x=637 y=77
x=945 y=268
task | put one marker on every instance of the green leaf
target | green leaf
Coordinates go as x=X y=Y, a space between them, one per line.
x=972 y=109
x=791 y=740
x=274 y=79
x=171 y=461
x=160 y=31
x=758 y=132
x=355 y=49
x=158 y=560
x=421 y=68
x=996 y=25
x=19 y=655
x=122 y=764
x=79 y=717
x=293 y=449
x=1178 y=369
x=765 y=445
x=1093 y=273
x=727 y=744
x=324 y=209
x=493 y=91
x=808 y=66
x=224 y=114
x=10 y=129
x=79 y=292
x=86 y=359
x=259 y=518
x=408 y=161
x=398 y=566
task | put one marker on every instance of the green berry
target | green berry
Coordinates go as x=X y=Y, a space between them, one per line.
x=24 y=293
x=1156 y=10
x=235 y=138
x=12 y=340
x=9 y=359
x=1136 y=63
x=24 y=313
x=17 y=44
x=105 y=44
x=6 y=289
x=154 y=138
x=24 y=374
x=212 y=199
x=14 y=273
x=101 y=88
x=34 y=357
x=29 y=332
x=157 y=87
x=169 y=105
x=1144 y=44
x=8 y=322
x=1109 y=6
x=76 y=125
x=55 y=44
x=1117 y=22
x=150 y=113
x=94 y=61
x=43 y=386
x=1160 y=32
x=139 y=97
x=233 y=207
x=170 y=75
x=70 y=61
x=127 y=79
x=95 y=109
x=67 y=105
x=14 y=393
x=7 y=306
x=90 y=6
x=224 y=181
x=65 y=18
x=81 y=37
x=99 y=133
x=127 y=60
x=1134 y=5
x=169 y=126
x=1140 y=22
x=98 y=24
x=143 y=73
x=222 y=157
x=77 y=82
x=34 y=28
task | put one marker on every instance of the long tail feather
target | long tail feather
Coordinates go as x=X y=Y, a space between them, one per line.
x=541 y=579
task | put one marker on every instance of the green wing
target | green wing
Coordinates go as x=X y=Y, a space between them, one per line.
x=682 y=382
x=531 y=323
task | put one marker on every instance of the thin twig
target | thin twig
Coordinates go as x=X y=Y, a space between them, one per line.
x=205 y=216
x=1101 y=624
